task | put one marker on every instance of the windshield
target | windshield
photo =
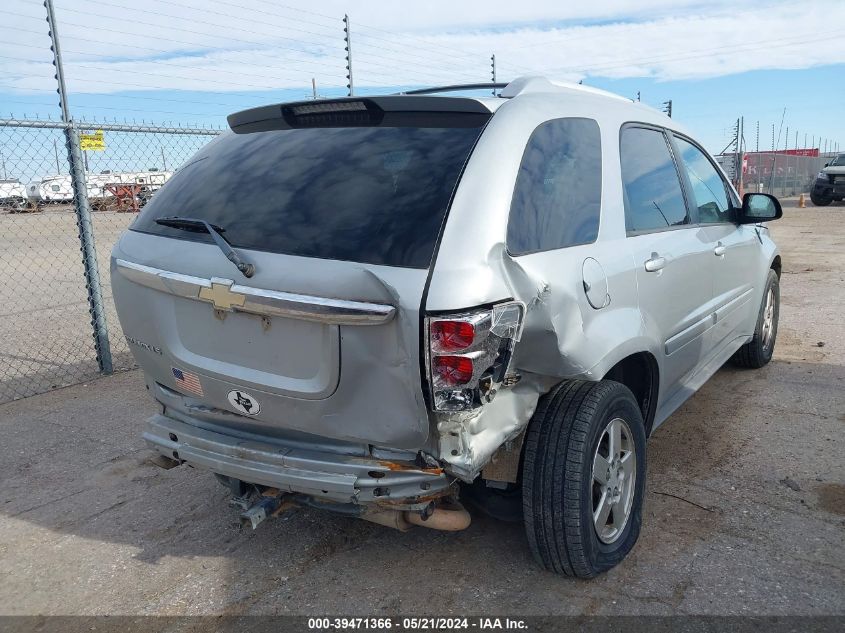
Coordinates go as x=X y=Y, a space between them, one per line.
x=839 y=161
x=374 y=195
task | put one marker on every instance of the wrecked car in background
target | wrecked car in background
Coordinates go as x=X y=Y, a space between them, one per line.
x=432 y=296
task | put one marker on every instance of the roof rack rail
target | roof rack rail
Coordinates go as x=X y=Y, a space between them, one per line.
x=453 y=88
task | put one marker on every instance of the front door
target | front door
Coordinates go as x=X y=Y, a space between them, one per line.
x=733 y=247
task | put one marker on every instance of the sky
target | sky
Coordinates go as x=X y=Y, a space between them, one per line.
x=775 y=63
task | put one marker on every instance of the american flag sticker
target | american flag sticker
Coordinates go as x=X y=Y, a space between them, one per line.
x=186 y=381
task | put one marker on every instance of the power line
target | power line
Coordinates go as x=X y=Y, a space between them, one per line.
x=620 y=26
x=149 y=87
x=252 y=43
x=163 y=63
x=462 y=52
x=194 y=20
x=98 y=107
x=694 y=54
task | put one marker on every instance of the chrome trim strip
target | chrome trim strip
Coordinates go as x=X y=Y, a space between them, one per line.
x=733 y=304
x=689 y=334
x=258 y=300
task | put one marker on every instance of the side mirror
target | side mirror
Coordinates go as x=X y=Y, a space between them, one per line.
x=759 y=207
x=827 y=164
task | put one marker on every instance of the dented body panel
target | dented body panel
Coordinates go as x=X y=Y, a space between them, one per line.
x=292 y=367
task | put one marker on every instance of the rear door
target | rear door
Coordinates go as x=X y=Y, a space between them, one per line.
x=671 y=253
x=339 y=211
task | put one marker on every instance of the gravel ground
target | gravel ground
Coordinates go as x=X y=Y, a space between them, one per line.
x=45 y=325
x=744 y=512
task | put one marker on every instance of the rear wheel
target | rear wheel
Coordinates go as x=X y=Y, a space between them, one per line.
x=758 y=351
x=583 y=477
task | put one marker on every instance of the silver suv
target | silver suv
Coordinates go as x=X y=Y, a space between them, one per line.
x=374 y=305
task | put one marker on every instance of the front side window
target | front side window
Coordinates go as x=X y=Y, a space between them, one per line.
x=654 y=199
x=557 y=197
x=709 y=191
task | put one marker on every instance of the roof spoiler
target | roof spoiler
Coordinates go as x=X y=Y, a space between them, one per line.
x=356 y=111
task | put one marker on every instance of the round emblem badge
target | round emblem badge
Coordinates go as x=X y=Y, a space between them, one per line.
x=244 y=402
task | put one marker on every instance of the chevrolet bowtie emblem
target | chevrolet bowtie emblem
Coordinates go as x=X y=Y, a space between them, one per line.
x=220 y=295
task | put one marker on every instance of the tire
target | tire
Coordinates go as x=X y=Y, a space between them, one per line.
x=559 y=490
x=820 y=201
x=758 y=351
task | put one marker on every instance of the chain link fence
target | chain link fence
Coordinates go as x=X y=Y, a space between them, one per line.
x=782 y=174
x=59 y=326
x=775 y=173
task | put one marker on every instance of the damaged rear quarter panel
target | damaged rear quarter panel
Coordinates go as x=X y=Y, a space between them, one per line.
x=563 y=336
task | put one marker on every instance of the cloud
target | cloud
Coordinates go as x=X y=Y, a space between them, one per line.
x=226 y=47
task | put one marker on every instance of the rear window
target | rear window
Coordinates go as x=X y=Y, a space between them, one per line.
x=375 y=195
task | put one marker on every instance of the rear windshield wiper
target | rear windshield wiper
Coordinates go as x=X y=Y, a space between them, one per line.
x=201 y=226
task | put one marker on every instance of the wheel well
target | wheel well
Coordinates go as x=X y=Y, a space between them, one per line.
x=776 y=266
x=640 y=374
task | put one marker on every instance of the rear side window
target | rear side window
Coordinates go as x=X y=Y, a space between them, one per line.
x=654 y=199
x=374 y=195
x=557 y=197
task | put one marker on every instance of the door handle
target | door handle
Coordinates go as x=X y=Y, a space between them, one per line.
x=655 y=263
x=720 y=250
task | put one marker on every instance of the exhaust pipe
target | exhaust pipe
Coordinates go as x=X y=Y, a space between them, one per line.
x=448 y=516
x=451 y=516
x=389 y=518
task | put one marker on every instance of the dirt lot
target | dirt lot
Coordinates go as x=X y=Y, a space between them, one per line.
x=745 y=505
x=45 y=325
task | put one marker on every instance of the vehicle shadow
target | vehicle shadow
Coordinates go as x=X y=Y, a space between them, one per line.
x=89 y=525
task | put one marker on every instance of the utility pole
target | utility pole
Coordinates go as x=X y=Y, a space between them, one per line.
x=638 y=96
x=347 y=31
x=3 y=164
x=493 y=70
x=314 y=87
x=667 y=107
x=82 y=208
x=163 y=159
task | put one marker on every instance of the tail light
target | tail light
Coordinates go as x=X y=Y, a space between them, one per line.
x=447 y=335
x=452 y=370
x=468 y=354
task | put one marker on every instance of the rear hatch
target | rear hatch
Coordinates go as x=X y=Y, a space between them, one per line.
x=338 y=205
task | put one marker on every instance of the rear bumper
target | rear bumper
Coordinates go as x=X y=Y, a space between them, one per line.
x=329 y=476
